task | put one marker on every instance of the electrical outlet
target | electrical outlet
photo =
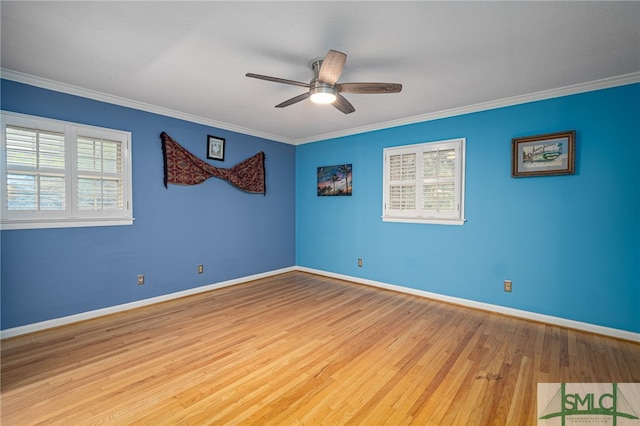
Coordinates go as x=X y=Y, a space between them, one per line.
x=140 y=279
x=507 y=285
x=200 y=269
x=360 y=263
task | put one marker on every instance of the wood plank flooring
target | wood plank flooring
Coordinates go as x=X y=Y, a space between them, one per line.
x=299 y=349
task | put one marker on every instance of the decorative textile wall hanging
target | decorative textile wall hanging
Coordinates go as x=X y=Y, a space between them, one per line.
x=183 y=168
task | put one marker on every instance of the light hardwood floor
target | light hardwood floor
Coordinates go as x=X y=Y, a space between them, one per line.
x=299 y=349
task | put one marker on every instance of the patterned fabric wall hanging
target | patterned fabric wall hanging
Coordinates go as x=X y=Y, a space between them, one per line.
x=183 y=168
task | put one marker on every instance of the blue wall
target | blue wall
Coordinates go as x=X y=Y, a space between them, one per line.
x=51 y=273
x=571 y=244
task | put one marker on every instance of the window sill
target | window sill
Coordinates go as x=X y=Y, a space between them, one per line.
x=62 y=223
x=427 y=221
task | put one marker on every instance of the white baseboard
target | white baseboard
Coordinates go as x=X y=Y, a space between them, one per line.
x=562 y=322
x=56 y=322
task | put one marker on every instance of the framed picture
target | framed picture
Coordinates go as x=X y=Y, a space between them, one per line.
x=215 y=148
x=335 y=180
x=544 y=155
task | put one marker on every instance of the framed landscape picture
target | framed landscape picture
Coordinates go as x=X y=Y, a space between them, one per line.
x=335 y=180
x=544 y=155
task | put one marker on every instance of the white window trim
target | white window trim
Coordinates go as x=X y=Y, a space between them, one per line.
x=70 y=217
x=417 y=215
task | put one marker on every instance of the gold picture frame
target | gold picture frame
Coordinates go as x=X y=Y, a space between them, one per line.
x=544 y=155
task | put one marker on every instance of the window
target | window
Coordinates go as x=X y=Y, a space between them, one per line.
x=424 y=183
x=57 y=174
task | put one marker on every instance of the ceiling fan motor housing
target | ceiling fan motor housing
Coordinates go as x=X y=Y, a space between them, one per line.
x=321 y=93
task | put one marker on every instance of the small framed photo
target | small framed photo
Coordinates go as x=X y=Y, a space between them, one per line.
x=544 y=155
x=215 y=148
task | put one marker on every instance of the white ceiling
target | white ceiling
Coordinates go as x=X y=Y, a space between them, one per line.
x=191 y=57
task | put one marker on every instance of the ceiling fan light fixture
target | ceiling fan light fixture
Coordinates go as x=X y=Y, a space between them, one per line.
x=323 y=94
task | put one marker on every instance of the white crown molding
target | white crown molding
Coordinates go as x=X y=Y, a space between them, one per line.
x=116 y=100
x=531 y=316
x=484 y=106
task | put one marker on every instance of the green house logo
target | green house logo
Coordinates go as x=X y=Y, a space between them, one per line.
x=588 y=404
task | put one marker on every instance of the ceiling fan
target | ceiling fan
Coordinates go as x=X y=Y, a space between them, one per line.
x=324 y=87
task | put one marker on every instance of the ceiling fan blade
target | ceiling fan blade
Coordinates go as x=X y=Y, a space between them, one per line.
x=293 y=100
x=332 y=66
x=342 y=104
x=278 y=80
x=366 y=88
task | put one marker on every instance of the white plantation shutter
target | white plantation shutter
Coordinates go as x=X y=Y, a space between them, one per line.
x=402 y=183
x=425 y=183
x=58 y=174
x=100 y=172
x=35 y=169
x=439 y=181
